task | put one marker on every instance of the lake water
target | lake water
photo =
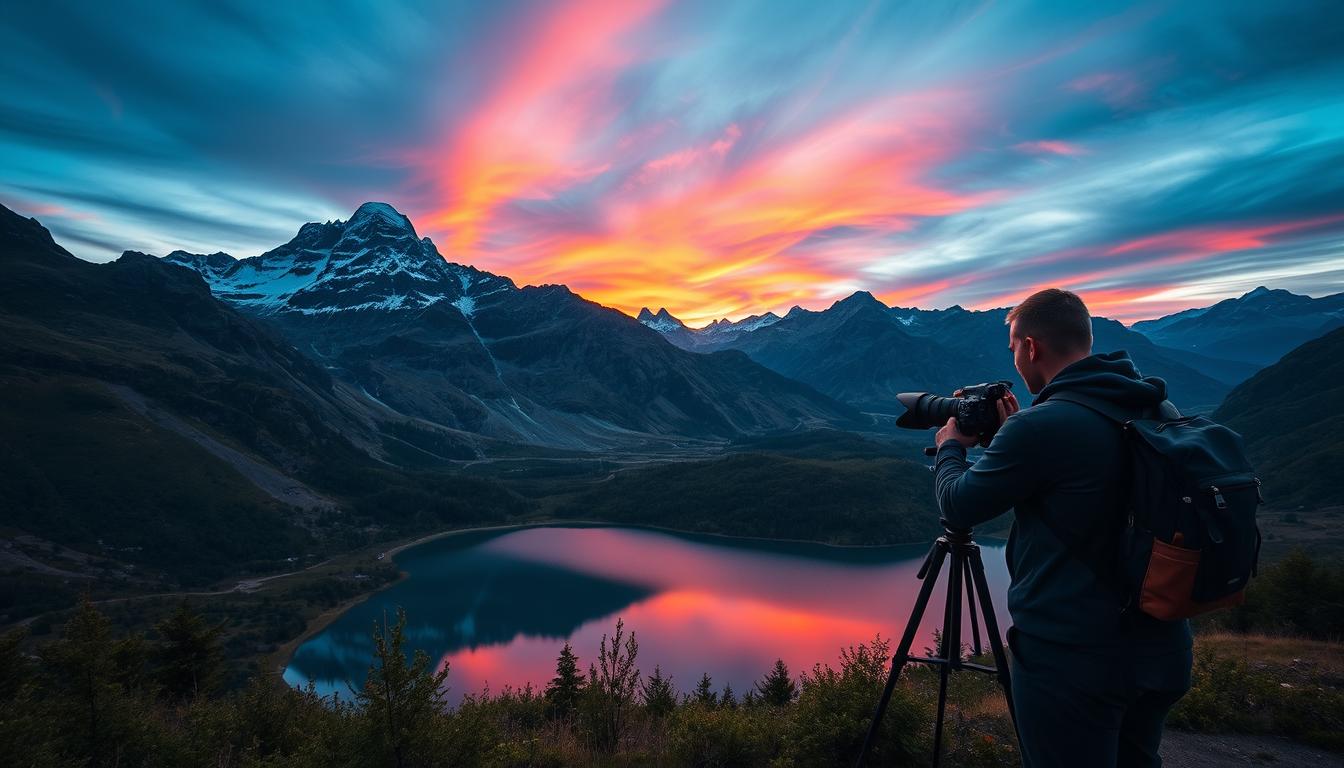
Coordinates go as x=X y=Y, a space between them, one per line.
x=497 y=606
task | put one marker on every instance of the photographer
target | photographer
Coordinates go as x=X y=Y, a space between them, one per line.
x=1091 y=687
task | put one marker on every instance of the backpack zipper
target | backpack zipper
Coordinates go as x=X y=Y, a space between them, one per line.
x=1218 y=500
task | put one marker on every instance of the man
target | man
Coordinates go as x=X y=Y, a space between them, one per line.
x=1091 y=686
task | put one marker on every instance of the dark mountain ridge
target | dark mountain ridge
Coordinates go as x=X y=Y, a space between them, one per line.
x=1256 y=328
x=862 y=352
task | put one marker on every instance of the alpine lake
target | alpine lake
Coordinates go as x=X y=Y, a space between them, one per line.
x=497 y=606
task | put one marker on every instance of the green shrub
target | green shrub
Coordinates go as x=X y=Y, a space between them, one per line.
x=835 y=708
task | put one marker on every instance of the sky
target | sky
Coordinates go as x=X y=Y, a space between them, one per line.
x=717 y=158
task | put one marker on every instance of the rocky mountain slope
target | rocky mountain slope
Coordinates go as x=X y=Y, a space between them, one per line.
x=468 y=350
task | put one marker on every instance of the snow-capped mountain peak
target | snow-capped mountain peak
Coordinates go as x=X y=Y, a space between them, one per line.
x=662 y=321
x=372 y=261
x=380 y=214
x=745 y=325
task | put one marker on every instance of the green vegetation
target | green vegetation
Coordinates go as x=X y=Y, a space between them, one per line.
x=1296 y=596
x=96 y=699
x=1257 y=684
x=878 y=500
x=93 y=697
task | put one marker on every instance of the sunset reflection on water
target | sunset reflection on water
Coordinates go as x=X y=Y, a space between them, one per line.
x=498 y=610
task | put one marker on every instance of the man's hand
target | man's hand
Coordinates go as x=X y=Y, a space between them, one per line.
x=1006 y=407
x=951 y=432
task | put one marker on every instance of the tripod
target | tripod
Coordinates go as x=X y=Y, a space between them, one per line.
x=966 y=574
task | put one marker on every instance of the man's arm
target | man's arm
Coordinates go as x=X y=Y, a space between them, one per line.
x=1008 y=473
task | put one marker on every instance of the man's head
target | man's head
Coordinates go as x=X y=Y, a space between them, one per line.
x=1046 y=332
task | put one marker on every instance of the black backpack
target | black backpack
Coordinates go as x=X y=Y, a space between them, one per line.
x=1190 y=542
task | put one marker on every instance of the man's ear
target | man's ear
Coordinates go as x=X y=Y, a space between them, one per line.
x=1033 y=349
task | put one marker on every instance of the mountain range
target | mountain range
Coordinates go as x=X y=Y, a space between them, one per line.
x=861 y=351
x=1257 y=328
x=469 y=351
x=210 y=414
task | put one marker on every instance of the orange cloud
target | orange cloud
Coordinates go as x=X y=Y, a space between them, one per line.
x=706 y=239
x=528 y=138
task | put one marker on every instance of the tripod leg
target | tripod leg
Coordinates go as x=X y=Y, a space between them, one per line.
x=970 y=606
x=944 y=671
x=992 y=629
x=951 y=643
x=931 y=568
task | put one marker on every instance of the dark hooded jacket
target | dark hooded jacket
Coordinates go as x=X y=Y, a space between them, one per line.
x=1062 y=468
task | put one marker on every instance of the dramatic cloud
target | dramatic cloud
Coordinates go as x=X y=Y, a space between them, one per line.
x=716 y=158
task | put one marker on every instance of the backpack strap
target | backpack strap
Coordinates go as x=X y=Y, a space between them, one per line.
x=1093 y=553
x=1165 y=410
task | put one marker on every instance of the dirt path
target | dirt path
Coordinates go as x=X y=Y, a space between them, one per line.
x=1203 y=750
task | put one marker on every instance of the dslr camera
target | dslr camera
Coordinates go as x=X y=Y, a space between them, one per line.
x=975 y=409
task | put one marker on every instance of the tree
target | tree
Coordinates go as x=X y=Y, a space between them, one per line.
x=402 y=701
x=564 y=690
x=96 y=678
x=23 y=728
x=190 y=658
x=611 y=687
x=704 y=692
x=728 y=698
x=777 y=688
x=660 y=697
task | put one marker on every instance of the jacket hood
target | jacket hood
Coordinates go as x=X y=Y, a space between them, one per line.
x=1110 y=377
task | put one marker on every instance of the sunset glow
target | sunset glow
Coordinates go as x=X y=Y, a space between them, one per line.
x=716 y=159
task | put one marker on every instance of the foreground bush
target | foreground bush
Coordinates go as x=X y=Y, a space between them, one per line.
x=92 y=699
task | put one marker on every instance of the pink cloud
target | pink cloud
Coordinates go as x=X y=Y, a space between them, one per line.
x=1050 y=147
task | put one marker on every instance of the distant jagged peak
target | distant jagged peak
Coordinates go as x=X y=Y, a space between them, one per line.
x=1261 y=293
x=858 y=301
x=208 y=264
x=745 y=325
x=661 y=321
x=135 y=257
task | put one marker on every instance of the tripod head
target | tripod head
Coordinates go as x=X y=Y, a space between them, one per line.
x=955 y=534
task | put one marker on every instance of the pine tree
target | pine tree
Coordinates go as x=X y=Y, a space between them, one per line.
x=96 y=678
x=565 y=688
x=402 y=701
x=777 y=689
x=660 y=697
x=189 y=655
x=704 y=692
x=728 y=698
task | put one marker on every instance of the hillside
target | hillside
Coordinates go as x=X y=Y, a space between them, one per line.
x=158 y=438
x=1291 y=418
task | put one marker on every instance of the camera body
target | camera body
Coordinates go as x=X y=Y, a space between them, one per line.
x=975 y=409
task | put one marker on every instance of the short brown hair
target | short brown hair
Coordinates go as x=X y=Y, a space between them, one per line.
x=1056 y=317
